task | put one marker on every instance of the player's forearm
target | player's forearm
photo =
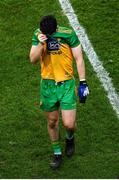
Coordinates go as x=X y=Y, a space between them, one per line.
x=36 y=53
x=78 y=56
x=81 y=68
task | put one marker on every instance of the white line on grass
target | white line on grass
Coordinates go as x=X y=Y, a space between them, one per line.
x=102 y=74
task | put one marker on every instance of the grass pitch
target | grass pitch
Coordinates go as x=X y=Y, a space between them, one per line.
x=24 y=144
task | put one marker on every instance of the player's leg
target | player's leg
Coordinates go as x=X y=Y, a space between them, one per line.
x=68 y=108
x=69 y=121
x=52 y=124
x=50 y=106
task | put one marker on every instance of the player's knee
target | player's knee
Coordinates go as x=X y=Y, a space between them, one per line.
x=69 y=125
x=52 y=123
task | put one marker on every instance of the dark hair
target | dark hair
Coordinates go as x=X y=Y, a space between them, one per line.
x=48 y=24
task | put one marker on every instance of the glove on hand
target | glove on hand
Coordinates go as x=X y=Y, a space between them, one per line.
x=83 y=91
x=42 y=38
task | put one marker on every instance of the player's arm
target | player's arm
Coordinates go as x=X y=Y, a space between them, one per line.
x=37 y=47
x=83 y=87
x=77 y=53
x=36 y=53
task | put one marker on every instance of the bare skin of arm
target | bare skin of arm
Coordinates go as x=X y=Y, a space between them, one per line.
x=77 y=54
x=36 y=53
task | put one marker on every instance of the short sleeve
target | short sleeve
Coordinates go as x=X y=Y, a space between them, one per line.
x=73 y=40
x=35 y=40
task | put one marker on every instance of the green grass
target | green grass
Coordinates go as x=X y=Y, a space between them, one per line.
x=24 y=143
x=101 y=21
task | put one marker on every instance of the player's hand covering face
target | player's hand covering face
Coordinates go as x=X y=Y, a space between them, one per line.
x=42 y=38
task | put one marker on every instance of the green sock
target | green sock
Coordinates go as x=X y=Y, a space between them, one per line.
x=56 y=148
x=69 y=134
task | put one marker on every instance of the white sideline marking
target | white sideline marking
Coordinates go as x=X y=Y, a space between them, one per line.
x=102 y=74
